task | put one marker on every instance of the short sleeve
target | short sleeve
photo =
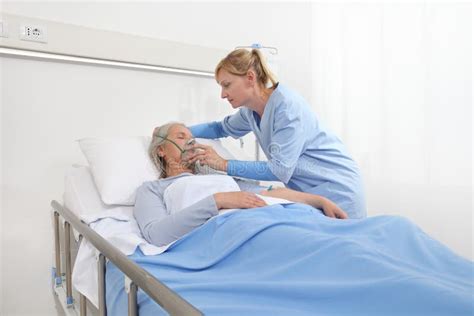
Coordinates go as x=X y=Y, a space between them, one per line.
x=287 y=143
x=236 y=125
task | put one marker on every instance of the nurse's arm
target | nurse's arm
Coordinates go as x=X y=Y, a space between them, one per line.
x=235 y=125
x=329 y=208
x=210 y=130
x=256 y=170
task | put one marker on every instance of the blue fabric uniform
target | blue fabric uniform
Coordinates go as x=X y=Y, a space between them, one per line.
x=302 y=153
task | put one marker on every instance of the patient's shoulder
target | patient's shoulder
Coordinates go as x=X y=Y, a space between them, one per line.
x=153 y=186
x=158 y=186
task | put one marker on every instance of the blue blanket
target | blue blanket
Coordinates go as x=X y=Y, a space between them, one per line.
x=292 y=260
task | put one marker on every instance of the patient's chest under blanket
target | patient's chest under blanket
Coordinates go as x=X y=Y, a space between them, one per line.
x=186 y=191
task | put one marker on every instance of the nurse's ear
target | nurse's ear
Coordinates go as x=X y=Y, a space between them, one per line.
x=251 y=77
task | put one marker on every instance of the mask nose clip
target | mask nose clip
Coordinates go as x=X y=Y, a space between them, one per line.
x=191 y=142
x=188 y=148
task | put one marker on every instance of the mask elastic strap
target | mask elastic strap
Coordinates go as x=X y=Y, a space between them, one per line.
x=177 y=146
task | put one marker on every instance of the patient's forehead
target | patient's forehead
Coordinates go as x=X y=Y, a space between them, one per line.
x=179 y=129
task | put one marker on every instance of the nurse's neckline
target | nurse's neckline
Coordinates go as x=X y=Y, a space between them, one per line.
x=272 y=89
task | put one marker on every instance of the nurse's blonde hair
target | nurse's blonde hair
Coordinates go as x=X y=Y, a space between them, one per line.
x=157 y=139
x=240 y=61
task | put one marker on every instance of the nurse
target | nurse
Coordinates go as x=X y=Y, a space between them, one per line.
x=302 y=153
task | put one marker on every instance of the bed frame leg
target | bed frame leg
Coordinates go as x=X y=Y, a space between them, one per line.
x=131 y=288
x=102 y=304
x=57 y=269
x=83 y=305
x=67 y=235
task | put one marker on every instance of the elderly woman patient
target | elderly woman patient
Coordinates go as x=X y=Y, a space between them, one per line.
x=182 y=199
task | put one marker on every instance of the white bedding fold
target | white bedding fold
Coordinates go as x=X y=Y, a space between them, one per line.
x=121 y=230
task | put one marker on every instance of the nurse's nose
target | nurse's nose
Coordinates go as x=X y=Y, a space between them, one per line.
x=224 y=95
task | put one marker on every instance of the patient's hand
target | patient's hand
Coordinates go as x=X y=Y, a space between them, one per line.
x=238 y=199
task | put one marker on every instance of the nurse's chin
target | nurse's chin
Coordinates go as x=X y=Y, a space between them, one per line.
x=234 y=105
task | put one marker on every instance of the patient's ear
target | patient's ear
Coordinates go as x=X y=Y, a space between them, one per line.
x=161 y=152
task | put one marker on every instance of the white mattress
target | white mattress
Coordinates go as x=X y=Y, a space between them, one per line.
x=81 y=195
x=115 y=223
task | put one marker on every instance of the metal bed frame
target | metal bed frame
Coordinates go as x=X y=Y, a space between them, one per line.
x=135 y=276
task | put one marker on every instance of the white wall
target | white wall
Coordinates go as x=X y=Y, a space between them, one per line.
x=56 y=109
x=1 y=190
x=286 y=26
x=400 y=96
x=47 y=105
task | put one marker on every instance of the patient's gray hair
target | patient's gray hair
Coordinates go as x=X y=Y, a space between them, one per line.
x=156 y=141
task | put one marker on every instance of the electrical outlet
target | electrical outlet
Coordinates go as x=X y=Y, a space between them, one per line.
x=33 y=33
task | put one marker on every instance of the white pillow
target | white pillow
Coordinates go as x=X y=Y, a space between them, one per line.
x=120 y=165
x=80 y=192
x=81 y=195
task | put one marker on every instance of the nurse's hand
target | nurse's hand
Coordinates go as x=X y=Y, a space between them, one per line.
x=207 y=156
x=330 y=209
x=237 y=199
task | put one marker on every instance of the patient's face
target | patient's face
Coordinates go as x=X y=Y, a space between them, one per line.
x=180 y=135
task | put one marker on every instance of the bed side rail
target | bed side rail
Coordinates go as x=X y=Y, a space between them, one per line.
x=136 y=277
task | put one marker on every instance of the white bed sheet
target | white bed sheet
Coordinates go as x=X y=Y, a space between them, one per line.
x=115 y=223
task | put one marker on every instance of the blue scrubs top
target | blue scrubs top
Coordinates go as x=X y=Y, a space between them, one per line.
x=302 y=153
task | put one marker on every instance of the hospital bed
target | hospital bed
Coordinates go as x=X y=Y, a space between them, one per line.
x=136 y=276
x=382 y=265
x=81 y=197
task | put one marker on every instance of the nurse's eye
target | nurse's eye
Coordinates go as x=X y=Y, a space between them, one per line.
x=226 y=85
